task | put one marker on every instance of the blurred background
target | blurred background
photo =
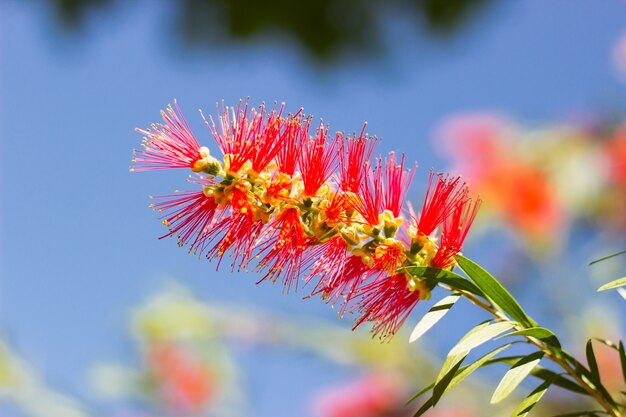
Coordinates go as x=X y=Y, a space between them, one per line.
x=99 y=318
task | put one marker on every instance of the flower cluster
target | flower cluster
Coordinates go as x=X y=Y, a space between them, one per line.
x=308 y=207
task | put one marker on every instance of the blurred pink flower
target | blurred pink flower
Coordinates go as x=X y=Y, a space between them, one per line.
x=450 y=412
x=184 y=384
x=609 y=366
x=515 y=189
x=619 y=55
x=614 y=204
x=371 y=396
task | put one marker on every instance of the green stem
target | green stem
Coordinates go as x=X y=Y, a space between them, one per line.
x=590 y=388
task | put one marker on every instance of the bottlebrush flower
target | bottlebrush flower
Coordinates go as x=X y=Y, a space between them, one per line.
x=317 y=160
x=171 y=145
x=455 y=229
x=387 y=303
x=248 y=136
x=296 y=132
x=355 y=152
x=383 y=189
x=440 y=201
x=284 y=250
x=189 y=218
x=276 y=198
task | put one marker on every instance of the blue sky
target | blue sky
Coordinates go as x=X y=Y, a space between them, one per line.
x=78 y=243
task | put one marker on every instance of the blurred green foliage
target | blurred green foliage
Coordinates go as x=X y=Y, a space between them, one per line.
x=325 y=29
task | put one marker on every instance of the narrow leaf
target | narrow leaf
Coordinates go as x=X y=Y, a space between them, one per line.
x=608 y=343
x=465 y=371
x=613 y=284
x=469 y=369
x=482 y=335
x=425 y=407
x=533 y=398
x=475 y=337
x=452 y=359
x=545 y=374
x=538 y=333
x=590 y=413
x=607 y=257
x=593 y=364
x=421 y=392
x=494 y=290
x=622 y=358
x=518 y=372
x=443 y=384
x=435 y=314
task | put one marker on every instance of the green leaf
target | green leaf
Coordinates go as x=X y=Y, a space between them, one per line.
x=540 y=333
x=548 y=375
x=480 y=336
x=585 y=373
x=533 y=398
x=494 y=290
x=444 y=382
x=619 y=348
x=593 y=364
x=435 y=314
x=590 y=413
x=465 y=371
x=607 y=257
x=469 y=369
x=454 y=376
x=475 y=337
x=536 y=332
x=444 y=276
x=613 y=284
x=518 y=372
x=452 y=359
x=421 y=392
x=622 y=359
x=425 y=407
x=608 y=343
x=559 y=380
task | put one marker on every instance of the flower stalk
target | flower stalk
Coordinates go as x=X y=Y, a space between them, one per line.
x=555 y=355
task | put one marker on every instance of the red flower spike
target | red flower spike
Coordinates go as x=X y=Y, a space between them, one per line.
x=296 y=132
x=455 y=229
x=171 y=145
x=354 y=155
x=329 y=266
x=317 y=159
x=255 y=137
x=370 y=201
x=190 y=217
x=383 y=189
x=278 y=175
x=239 y=231
x=348 y=283
x=284 y=252
x=440 y=201
x=397 y=183
x=387 y=302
